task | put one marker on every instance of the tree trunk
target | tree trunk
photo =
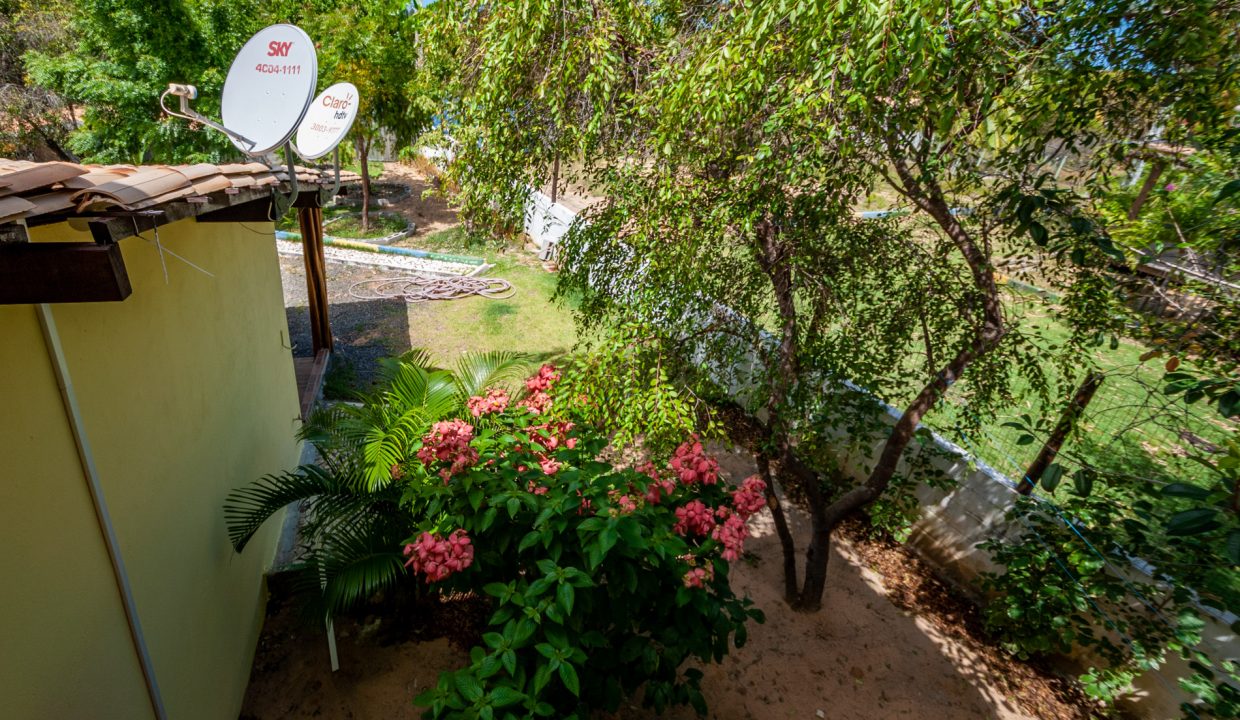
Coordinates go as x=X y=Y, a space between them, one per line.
x=362 y=146
x=987 y=335
x=773 y=258
x=819 y=552
x=786 y=541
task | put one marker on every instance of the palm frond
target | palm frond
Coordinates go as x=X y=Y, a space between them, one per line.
x=387 y=445
x=356 y=560
x=417 y=357
x=475 y=372
x=247 y=508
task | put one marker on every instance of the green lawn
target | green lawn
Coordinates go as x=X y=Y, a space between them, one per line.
x=528 y=322
x=381 y=225
x=1129 y=427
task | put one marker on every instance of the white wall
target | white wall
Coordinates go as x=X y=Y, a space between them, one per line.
x=546 y=222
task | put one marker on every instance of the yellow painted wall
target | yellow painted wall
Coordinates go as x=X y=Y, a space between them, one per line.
x=187 y=391
x=65 y=650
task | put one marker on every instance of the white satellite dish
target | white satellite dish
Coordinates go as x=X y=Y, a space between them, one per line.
x=269 y=88
x=328 y=120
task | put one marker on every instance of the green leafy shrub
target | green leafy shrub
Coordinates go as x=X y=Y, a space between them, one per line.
x=1068 y=585
x=606 y=581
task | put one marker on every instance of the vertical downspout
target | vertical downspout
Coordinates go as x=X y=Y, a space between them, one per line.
x=87 y=459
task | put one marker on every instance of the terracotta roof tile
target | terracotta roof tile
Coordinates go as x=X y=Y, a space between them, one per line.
x=37 y=175
x=93 y=178
x=29 y=189
x=56 y=201
x=12 y=208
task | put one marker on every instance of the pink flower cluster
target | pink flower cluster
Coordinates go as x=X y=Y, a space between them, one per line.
x=691 y=464
x=539 y=386
x=730 y=533
x=694 y=518
x=552 y=436
x=536 y=402
x=439 y=557
x=495 y=401
x=750 y=498
x=543 y=379
x=659 y=487
x=624 y=503
x=448 y=442
x=696 y=576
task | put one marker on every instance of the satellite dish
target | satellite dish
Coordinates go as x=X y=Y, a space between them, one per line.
x=328 y=120
x=269 y=88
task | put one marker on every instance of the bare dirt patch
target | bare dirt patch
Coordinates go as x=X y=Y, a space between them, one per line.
x=431 y=214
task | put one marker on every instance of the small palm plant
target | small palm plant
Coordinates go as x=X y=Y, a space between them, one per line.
x=353 y=526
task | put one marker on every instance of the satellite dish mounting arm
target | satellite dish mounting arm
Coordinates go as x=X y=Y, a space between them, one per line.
x=187 y=93
x=280 y=204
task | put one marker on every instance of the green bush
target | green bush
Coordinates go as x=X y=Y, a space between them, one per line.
x=605 y=581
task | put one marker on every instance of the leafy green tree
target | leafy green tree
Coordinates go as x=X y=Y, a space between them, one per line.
x=36 y=121
x=126 y=52
x=374 y=45
x=733 y=147
x=523 y=85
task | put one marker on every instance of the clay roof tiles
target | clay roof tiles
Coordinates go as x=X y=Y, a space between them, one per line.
x=29 y=189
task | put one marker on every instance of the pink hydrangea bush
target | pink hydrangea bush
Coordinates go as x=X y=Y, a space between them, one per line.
x=531 y=515
x=545 y=526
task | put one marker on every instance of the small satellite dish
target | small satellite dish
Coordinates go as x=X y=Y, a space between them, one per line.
x=269 y=88
x=328 y=120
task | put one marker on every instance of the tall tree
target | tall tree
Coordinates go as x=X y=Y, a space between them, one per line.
x=522 y=85
x=375 y=46
x=37 y=121
x=126 y=52
x=735 y=144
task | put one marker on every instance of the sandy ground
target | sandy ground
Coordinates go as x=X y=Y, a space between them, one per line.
x=862 y=657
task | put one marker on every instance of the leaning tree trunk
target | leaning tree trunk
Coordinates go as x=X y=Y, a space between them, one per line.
x=362 y=146
x=786 y=541
x=986 y=337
